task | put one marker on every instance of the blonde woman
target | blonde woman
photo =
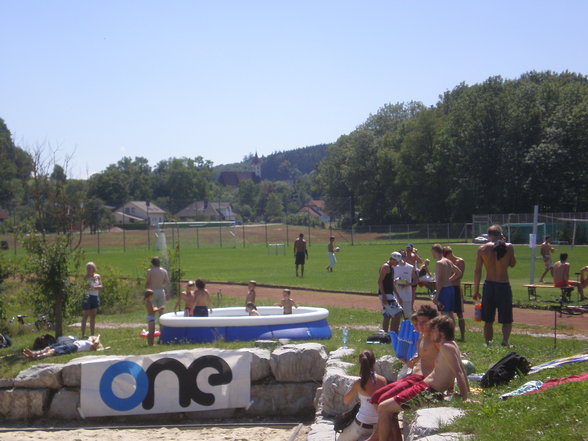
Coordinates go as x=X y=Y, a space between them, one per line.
x=91 y=300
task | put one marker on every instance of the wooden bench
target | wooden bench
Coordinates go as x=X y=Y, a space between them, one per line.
x=532 y=291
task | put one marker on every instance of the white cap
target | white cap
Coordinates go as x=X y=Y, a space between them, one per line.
x=396 y=256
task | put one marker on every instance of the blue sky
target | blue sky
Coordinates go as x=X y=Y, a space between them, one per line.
x=99 y=80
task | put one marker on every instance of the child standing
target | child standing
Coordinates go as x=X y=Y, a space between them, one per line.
x=151 y=310
x=251 y=292
x=202 y=302
x=189 y=299
x=287 y=302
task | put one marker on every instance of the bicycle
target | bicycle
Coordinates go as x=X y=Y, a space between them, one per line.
x=42 y=322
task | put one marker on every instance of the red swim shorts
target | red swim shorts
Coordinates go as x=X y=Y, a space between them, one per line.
x=394 y=388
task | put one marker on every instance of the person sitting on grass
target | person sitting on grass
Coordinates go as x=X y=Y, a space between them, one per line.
x=287 y=302
x=91 y=344
x=368 y=383
x=251 y=309
x=448 y=367
x=151 y=310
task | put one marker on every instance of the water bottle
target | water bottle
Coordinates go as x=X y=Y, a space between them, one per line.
x=478 y=312
x=344 y=338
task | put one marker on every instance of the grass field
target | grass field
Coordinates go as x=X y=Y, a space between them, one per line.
x=357 y=267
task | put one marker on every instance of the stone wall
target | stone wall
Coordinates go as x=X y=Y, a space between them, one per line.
x=283 y=383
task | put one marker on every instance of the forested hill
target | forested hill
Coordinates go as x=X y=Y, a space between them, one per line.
x=281 y=166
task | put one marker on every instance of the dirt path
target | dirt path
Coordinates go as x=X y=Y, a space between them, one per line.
x=577 y=324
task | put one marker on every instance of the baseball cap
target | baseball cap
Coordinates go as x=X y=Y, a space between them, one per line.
x=396 y=256
x=409 y=245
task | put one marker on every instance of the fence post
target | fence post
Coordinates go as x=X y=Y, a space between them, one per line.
x=352 y=229
x=243 y=225
x=266 y=242
x=428 y=237
x=408 y=231
x=448 y=231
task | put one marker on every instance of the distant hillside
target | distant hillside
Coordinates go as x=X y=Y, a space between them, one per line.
x=282 y=166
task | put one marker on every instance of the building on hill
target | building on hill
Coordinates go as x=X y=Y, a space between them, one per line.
x=316 y=208
x=139 y=211
x=204 y=210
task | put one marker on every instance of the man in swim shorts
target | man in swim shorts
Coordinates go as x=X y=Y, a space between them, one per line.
x=391 y=309
x=561 y=276
x=497 y=257
x=546 y=250
x=158 y=282
x=447 y=369
x=300 y=254
x=458 y=309
x=446 y=273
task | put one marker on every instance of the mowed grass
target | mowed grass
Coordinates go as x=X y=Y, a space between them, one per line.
x=356 y=270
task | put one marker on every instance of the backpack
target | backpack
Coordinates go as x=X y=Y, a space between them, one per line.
x=345 y=419
x=5 y=341
x=379 y=337
x=505 y=370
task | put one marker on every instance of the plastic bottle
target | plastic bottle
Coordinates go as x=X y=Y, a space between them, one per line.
x=478 y=312
x=344 y=338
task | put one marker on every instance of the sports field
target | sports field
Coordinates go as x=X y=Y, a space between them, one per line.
x=356 y=270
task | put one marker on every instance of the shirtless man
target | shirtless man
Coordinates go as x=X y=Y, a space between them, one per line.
x=158 y=282
x=460 y=263
x=300 y=253
x=391 y=309
x=583 y=280
x=561 y=277
x=188 y=298
x=446 y=273
x=446 y=370
x=546 y=250
x=497 y=257
x=202 y=302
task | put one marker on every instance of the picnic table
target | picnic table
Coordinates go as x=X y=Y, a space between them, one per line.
x=532 y=290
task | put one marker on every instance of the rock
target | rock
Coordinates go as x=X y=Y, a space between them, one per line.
x=40 y=376
x=265 y=343
x=340 y=353
x=427 y=421
x=6 y=383
x=64 y=405
x=336 y=383
x=388 y=367
x=23 y=404
x=321 y=430
x=282 y=399
x=260 y=363
x=299 y=363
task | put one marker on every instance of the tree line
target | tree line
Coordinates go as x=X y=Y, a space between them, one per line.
x=497 y=147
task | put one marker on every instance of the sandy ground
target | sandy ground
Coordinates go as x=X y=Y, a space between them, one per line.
x=167 y=434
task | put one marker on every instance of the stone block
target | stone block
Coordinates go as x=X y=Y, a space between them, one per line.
x=6 y=383
x=40 y=376
x=260 y=363
x=321 y=430
x=388 y=367
x=340 y=353
x=282 y=399
x=64 y=405
x=428 y=421
x=23 y=404
x=336 y=383
x=299 y=363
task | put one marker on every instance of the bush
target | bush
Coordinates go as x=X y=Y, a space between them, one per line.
x=119 y=294
x=3 y=244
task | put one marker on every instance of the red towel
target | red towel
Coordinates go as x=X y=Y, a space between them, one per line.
x=557 y=381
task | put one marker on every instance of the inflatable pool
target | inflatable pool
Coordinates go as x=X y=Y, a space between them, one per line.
x=232 y=324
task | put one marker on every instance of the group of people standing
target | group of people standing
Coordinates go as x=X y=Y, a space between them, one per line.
x=399 y=277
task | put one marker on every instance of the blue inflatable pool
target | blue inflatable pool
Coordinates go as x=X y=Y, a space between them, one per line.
x=232 y=324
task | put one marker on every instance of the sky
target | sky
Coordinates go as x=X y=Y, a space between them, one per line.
x=93 y=81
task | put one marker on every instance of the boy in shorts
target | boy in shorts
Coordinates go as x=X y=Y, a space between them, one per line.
x=447 y=368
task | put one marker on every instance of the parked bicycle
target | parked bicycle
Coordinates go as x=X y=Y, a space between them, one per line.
x=41 y=323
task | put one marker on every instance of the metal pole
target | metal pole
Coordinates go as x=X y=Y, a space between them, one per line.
x=124 y=232
x=533 y=243
x=98 y=237
x=243 y=234
x=266 y=242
